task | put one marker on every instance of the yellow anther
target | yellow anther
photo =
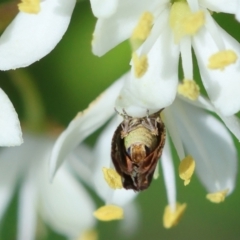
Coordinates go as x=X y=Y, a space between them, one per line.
x=89 y=235
x=142 y=30
x=171 y=218
x=140 y=64
x=186 y=169
x=29 y=6
x=217 y=197
x=222 y=59
x=189 y=89
x=109 y=213
x=183 y=22
x=112 y=178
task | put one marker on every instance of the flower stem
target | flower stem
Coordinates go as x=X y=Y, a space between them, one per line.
x=34 y=112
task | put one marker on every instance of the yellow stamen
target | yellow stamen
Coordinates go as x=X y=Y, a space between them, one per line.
x=183 y=22
x=142 y=30
x=217 y=197
x=171 y=218
x=109 y=213
x=29 y=6
x=222 y=59
x=186 y=169
x=89 y=235
x=112 y=178
x=140 y=64
x=189 y=89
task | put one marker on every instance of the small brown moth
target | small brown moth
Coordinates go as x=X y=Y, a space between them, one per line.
x=137 y=145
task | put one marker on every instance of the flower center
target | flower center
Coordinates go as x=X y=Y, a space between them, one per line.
x=217 y=197
x=109 y=213
x=186 y=169
x=184 y=22
x=170 y=217
x=189 y=89
x=112 y=178
x=29 y=6
x=222 y=59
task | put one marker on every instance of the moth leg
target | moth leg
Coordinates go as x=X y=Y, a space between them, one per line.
x=150 y=124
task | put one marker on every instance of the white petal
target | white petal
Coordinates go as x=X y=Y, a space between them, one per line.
x=111 y=31
x=231 y=122
x=210 y=144
x=103 y=8
x=169 y=174
x=238 y=11
x=222 y=85
x=201 y=102
x=10 y=130
x=157 y=88
x=172 y=128
x=65 y=205
x=194 y=5
x=82 y=161
x=83 y=125
x=27 y=211
x=32 y=36
x=102 y=152
x=130 y=224
x=12 y=165
x=225 y=6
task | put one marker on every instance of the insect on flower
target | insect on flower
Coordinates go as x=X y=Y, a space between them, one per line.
x=137 y=145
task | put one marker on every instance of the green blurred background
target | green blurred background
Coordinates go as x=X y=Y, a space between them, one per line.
x=68 y=79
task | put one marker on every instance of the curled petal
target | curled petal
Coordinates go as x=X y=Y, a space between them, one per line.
x=32 y=36
x=83 y=125
x=208 y=141
x=10 y=130
x=222 y=85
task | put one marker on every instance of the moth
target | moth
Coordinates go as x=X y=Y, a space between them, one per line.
x=137 y=145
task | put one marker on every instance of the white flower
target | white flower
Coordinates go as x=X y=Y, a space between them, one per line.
x=88 y=164
x=30 y=37
x=10 y=129
x=81 y=127
x=159 y=32
x=195 y=131
x=190 y=128
x=64 y=205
